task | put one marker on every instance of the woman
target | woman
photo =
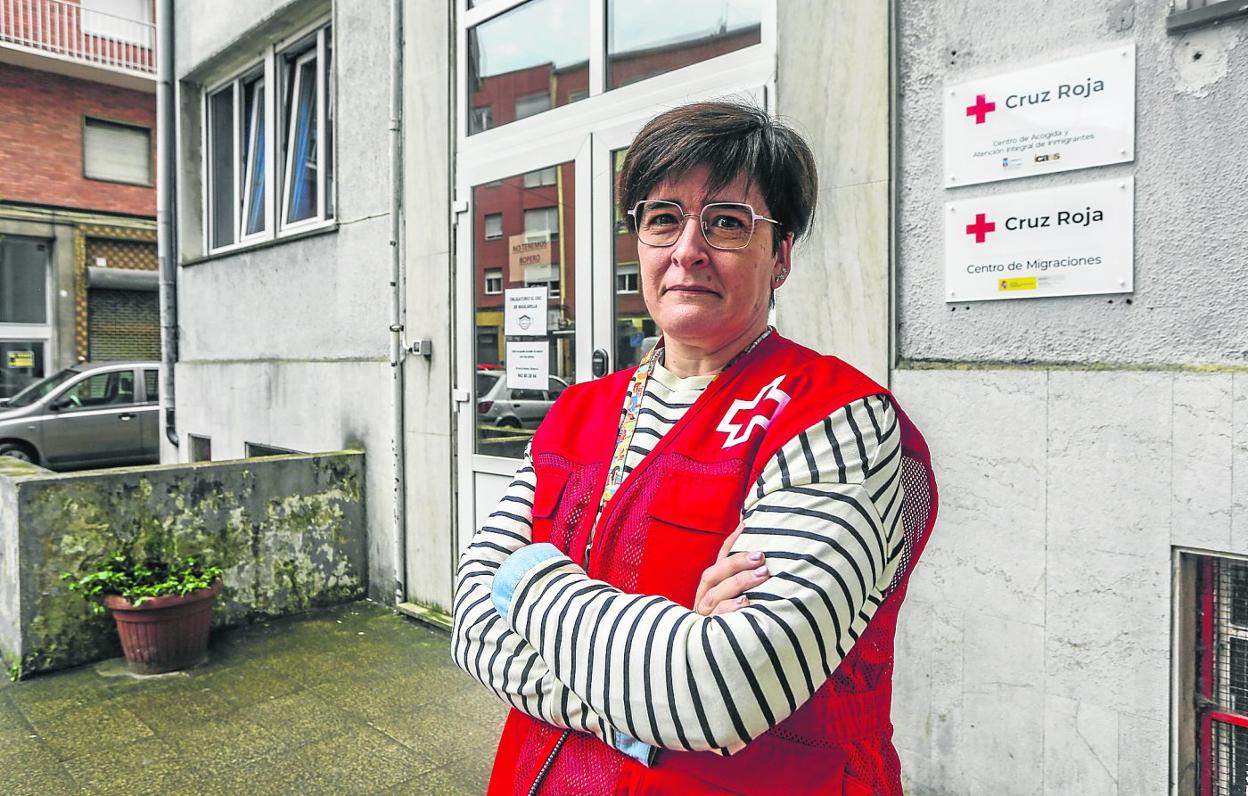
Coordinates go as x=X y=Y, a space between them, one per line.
x=692 y=583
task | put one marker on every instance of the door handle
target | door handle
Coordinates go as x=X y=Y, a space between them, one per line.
x=125 y=417
x=599 y=363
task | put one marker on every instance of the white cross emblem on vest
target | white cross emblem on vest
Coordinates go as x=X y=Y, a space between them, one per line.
x=737 y=434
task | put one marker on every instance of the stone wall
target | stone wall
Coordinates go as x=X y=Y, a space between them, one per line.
x=289 y=531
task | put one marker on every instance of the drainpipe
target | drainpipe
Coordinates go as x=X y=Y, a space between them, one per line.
x=398 y=308
x=166 y=205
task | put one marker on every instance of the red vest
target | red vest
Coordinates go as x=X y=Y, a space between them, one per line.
x=665 y=525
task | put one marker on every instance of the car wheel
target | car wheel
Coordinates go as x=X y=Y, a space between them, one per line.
x=509 y=422
x=17 y=451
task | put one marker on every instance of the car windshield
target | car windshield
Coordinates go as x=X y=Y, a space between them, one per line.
x=41 y=388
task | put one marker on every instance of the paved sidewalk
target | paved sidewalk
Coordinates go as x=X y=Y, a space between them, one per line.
x=351 y=700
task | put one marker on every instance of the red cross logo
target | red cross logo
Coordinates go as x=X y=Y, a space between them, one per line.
x=980 y=228
x=737 y=435
x=981 y=109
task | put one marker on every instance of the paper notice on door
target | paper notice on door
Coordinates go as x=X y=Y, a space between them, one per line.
x=524 y=312
x=528 y=365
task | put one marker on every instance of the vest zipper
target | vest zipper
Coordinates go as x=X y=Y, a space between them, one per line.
x=550 y=761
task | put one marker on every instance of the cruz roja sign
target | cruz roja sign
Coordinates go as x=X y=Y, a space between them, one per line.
x=1066 y=115
x=1070 y=241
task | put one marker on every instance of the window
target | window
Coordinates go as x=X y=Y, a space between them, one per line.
x=301 y=162
x=527 y=60
x=252 y=175
x=542 y=220
x=626 y=278
x=494 y=226
x=270 y=145
x=487 y=354
x=21 y=365
x=104 y=389
x=541 y=177
x=493 y=281
x=1188 y=14
x=482 y=118
x=116 y=152
x=258 y=449
x=151 y=385
x=1214 y=664
x=704 y=29
x=201 y=448
x=552 y=285
x=23 y=280
x=538 y=55
x=532 y=104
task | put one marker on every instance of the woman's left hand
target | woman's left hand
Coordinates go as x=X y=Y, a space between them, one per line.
x=723 y=585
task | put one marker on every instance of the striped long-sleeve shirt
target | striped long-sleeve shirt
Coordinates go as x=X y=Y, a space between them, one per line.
x=826 y=514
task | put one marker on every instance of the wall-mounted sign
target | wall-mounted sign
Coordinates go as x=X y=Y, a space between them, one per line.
x=1074 y=240
x=528 y=365
x=1066 y=115
x=21 y=359
x=524 y=312
x=529 y=249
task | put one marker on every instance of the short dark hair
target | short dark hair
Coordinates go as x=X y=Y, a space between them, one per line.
x=731 y=139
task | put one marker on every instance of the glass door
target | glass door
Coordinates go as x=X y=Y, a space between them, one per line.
x=548 y=289
x=523 y=314
x=25 y=312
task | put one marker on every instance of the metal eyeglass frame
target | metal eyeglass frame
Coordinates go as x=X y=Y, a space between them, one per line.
x=701 y=224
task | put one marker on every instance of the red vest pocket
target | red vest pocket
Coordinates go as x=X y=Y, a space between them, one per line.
x=550 y=484
x=689 y=518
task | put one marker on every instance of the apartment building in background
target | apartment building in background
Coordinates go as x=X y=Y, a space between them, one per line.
x=78 y=260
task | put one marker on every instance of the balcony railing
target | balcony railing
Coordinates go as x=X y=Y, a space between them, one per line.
x=68 y=31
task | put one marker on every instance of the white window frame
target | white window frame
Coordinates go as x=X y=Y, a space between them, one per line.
x=240 y=118
x=491 y=274
x=311 y=42
x=315 y=53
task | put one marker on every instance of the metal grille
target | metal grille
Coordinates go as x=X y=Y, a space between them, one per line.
x=123 y=324
x=1222 y=672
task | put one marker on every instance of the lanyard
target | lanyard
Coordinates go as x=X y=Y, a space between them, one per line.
x=628 y=421
x=632 y=409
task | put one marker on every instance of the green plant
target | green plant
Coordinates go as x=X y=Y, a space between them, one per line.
x=138 y=581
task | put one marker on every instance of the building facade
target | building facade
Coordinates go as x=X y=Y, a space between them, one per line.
x=408 y=243
x=77 y=186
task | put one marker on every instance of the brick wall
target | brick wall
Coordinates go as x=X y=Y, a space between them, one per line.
x=41 y=117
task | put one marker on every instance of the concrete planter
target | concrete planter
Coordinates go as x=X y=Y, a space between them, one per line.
x=164 y=634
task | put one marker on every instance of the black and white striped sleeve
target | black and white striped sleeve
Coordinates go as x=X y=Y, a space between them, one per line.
x=826 y=514
x=481 y=642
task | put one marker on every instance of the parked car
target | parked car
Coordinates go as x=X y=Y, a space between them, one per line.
x=86 y=416
x=501 y=406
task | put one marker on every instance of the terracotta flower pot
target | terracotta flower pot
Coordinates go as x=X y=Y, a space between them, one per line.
x=164 y=634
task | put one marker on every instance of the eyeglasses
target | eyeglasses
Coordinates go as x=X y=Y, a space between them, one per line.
x=725 y=225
